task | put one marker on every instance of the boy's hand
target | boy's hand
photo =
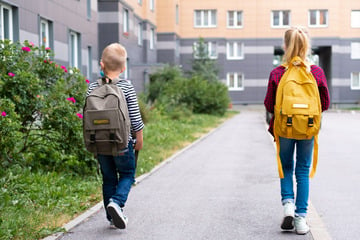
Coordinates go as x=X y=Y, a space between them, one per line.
x=139 y=140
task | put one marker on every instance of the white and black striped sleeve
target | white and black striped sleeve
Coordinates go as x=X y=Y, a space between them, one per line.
x=133 y=106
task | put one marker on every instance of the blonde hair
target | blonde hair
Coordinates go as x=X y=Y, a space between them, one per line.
x=297 y=43
x=114 y=57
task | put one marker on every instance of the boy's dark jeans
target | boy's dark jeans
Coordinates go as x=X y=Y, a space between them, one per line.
x=118 y=176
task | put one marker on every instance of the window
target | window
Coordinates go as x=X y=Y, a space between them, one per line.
x=318 y=18
x=126 y=22
x=177 y=14
x=235 y=50
x=152 y=5
x=125 y=73
x=140 y=2
x=355 y=50
x=235 y=81
x=280 y=18
x=355 y=80
x=355 y=19
x=140 y=34
x=44 y=33
x=74 y=46
x=88 y=9
x=89 y=67
x=6 y=23
x=152 y=38
x=210 y=49
x=177 y=48
x=234 y=19
x=205 y=18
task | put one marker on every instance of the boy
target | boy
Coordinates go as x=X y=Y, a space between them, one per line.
x=119 y=171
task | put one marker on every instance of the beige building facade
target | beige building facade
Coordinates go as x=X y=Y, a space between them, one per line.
x=245 y=38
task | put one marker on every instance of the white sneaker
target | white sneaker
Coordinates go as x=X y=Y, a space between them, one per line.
x=288 y=221
x=301 y=226
x=117 y=215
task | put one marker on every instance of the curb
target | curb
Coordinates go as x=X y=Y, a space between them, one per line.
x=95 y=209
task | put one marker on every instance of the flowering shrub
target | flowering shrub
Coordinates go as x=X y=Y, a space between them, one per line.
x=41 y=104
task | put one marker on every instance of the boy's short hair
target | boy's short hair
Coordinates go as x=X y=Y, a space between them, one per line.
x=114 y=57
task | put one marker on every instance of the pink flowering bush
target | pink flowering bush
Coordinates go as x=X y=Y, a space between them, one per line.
x=41 y=111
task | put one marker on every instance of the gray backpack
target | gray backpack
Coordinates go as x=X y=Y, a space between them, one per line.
x=106 y=123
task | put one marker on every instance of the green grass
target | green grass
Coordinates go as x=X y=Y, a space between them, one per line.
x=36 y=204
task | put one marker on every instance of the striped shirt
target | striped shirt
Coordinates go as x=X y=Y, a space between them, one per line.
x=131 y=100
x=274 y=80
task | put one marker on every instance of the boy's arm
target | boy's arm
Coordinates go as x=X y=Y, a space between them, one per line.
x=139 y=140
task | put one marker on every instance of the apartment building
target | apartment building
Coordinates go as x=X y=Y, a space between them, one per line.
x=245 y=38
x=66 y=26
x=133 y=24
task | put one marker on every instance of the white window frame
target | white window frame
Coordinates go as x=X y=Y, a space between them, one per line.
x=238 y=76
x=317 y=24
x=74 y=58
x=126 y=21
x=353 y=87
x=140 y=34
x=10 y=20
x=152 y=5
x=281 y=18
x=355 y=18
x=234 y=55
x=44 y=23
x=206 y=18
x=355 y=50
x=152 y=39
x=211 y=48
x=235 y=16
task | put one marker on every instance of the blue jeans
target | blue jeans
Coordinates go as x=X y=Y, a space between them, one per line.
x=304 y=151
x=118 y=176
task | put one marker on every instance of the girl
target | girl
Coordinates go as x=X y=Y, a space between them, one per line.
x=296 y=43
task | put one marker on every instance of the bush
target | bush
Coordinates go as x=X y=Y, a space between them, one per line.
x=159 y=79
x=197 y=95
x=42 y=102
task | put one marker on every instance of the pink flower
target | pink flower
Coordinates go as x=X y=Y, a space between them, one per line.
x=26 y=49
x=32 y=44
x=87 y=81
x=71 y=99
x=47 y=49
x=63 y=67
x=3 y=114
x=79 y=115
x=11 y=74
x=38 y=96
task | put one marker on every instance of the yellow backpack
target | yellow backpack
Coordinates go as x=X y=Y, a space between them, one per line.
x=297 y=108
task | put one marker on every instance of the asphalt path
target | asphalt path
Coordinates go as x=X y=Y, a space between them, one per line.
x=335 y=189
x=223 y=187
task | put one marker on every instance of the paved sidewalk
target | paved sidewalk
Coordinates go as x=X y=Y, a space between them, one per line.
x=223 y=187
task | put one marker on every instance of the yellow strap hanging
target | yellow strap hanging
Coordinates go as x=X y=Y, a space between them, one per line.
x=315 y=156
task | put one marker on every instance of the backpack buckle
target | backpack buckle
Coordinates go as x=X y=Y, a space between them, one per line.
x=289 y=121
x=311 y=122
x=92 y=138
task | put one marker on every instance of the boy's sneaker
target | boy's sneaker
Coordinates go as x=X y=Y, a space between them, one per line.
x=288 y=221
x=117 y=215
x=301 y=226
